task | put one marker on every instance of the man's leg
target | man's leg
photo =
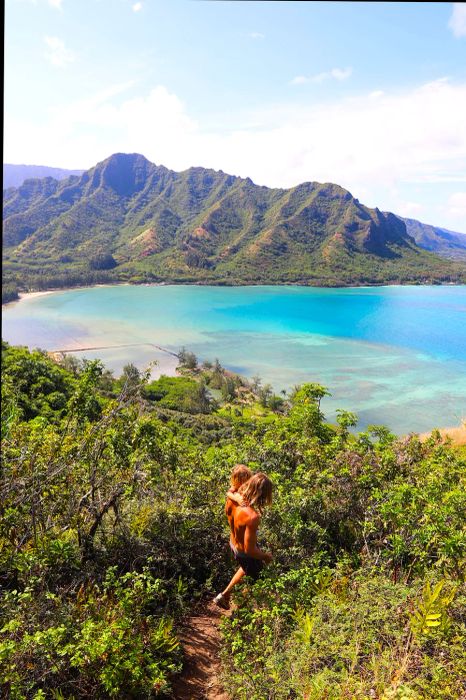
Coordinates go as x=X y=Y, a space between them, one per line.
x=223 y=598
x=236 y=579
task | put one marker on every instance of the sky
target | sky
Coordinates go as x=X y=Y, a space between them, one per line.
x=368 y=95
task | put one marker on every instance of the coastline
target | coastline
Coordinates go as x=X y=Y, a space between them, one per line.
x=85 y=330
x=43 y=292
x=31 y=295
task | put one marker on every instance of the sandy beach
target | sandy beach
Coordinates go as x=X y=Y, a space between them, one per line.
x=31 y=295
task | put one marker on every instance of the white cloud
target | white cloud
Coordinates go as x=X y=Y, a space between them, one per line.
x=256 y=35
x=457 y=22
x=137 y=7
x=409 y=209
x=90 y=130
x=456 y=206
x=341 y=73
x=380 y=149
x=335 y=73
x=299 y=80
x=58 y=54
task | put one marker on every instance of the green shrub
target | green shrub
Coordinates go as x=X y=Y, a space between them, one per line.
x=101 y=642
x=336 y=637
x=112 y=510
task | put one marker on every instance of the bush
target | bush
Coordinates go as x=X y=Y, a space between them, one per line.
x=101 y=642
x=102 y=261
x=112 y=509
x=179 y=393
x=325 y=634
x=9 y=293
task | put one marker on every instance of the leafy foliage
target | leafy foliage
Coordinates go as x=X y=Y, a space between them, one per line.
x=103 y=642
x=350 y=639
x=9 y=293
x=101 y=261
x=112 y=523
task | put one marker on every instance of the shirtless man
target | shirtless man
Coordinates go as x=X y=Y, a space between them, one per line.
x=256 y=494
x=239 y=476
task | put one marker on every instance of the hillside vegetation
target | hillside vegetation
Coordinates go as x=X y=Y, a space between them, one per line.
x=112 y=526
x=127 y=219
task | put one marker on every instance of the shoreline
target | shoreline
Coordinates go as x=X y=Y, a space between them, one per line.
x=43 y=292
x=30 y=295
x=106 y=345
x=53 y=290
x=166 y=362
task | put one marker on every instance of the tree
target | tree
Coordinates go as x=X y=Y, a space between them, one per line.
x=102 y=261
x=306 y=413
x=256 y=383
x=187 y=359
x=265 y=394
x=228 y=388
x=275 y=402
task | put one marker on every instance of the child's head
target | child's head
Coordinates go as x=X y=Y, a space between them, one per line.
x=240 y=474
x=257 y=493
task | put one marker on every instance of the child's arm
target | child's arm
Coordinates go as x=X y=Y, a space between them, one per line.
x=236 y=497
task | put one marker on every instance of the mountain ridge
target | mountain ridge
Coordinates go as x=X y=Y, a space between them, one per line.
x=449 y=244
x=14 y=175
x=207 y=226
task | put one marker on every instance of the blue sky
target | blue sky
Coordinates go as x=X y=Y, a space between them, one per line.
x=371 y=96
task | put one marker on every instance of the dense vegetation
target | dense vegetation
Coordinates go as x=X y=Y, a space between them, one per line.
x=132 y=221
x=112 y=524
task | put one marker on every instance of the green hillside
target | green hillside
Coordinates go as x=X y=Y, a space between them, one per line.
x=448 y=244
x=112 y=530
x=127 y=219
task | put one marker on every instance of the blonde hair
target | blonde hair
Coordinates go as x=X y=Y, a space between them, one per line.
x=257 y=492
x=240 y=474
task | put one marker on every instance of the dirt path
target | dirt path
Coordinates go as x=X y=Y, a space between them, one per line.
x=201 y=644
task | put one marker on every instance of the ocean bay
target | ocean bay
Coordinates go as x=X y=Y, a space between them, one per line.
x=394 y=355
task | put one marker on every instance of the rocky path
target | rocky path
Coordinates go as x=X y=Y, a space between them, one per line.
x=200 y=679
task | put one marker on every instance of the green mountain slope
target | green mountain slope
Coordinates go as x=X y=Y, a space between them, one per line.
x=149 y=223
x=448 y=244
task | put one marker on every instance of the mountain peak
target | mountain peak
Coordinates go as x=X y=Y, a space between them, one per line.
x=125 y=173
x=204 y=225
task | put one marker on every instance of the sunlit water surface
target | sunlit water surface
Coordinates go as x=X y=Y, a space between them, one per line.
x=394 y=355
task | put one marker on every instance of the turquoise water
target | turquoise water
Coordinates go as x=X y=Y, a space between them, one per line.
x=395 y=355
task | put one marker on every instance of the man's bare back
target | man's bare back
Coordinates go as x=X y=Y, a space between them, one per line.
x=244 y=532
x=243 y=511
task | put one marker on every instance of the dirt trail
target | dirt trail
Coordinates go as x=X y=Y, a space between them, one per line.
x=201 y=644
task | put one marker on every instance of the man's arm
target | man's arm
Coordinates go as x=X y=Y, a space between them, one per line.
x=250 y=541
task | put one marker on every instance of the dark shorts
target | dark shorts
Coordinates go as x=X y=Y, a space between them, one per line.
x=251 y=567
